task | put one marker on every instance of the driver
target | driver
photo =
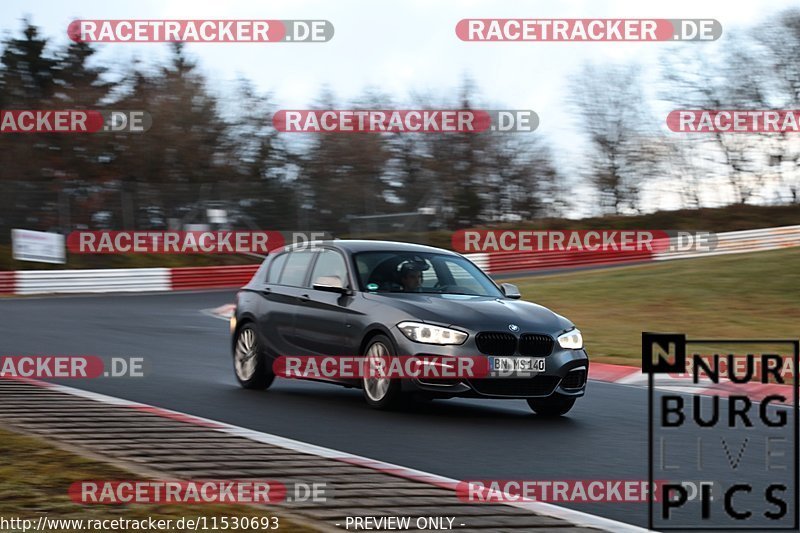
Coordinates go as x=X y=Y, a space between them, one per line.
x=410 y=276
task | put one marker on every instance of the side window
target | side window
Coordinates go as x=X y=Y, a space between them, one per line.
x=294 y=273
x=276 y=267
x=330 y=263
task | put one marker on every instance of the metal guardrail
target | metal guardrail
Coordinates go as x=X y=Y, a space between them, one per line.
x=81 y=281
x=481 y=260
x=506 y=262
x=211 y=277
x=734 y=242
x=727 y=243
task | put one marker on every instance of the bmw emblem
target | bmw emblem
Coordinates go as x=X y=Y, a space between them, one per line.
x=513 y=327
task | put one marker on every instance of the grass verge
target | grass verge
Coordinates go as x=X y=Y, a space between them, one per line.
x=751 y=295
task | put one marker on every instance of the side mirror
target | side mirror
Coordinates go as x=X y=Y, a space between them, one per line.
x=510 y=290
x=330 y=284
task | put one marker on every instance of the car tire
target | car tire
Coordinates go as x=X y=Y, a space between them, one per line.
x=552 y=406
x=250 y=365
x=380 y=393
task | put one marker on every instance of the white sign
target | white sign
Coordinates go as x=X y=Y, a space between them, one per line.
x=39 y=246
x=217 y=216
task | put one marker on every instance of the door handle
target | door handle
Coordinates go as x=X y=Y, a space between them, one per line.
x=303 y=298
x=265 y=291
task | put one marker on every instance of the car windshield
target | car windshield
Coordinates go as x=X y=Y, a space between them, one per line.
x=428 y=273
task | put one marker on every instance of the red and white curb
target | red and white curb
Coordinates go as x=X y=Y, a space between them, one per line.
x=577 y=518
x=632 y=375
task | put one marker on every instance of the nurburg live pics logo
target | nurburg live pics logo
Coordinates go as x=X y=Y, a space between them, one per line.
x=732 y=433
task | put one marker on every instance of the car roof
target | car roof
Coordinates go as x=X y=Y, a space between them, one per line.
x=356 y=246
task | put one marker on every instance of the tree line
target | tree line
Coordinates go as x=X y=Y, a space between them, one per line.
x=207 y=150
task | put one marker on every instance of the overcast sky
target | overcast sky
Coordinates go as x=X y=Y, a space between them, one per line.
x=398 y=46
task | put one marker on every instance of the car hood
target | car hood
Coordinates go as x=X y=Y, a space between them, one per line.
x=476 y=313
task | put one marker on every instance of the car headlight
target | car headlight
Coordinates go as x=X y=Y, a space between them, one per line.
x=571 y=340
x=428 y=334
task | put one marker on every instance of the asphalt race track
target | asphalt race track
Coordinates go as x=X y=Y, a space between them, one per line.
x=189 y=369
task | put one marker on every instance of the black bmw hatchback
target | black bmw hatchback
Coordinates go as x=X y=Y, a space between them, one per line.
x=383 y=300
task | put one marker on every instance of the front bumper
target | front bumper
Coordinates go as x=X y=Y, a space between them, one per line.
x=566 y=373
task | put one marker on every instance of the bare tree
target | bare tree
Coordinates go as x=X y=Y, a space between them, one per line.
x=729 y=80
x=615 y=118
x=779 y=52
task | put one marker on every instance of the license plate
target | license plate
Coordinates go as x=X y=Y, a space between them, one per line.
x=517 y=364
